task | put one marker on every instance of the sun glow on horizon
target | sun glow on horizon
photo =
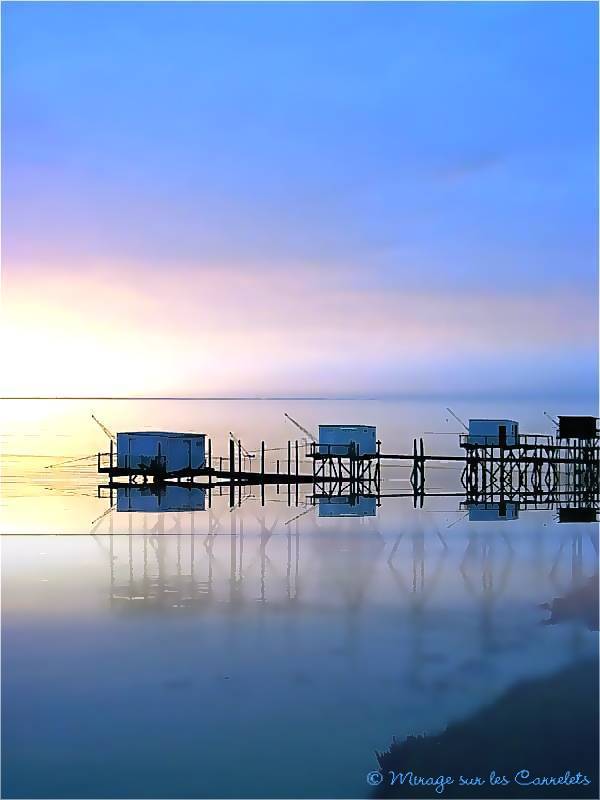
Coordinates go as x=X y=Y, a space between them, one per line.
x=207 y=331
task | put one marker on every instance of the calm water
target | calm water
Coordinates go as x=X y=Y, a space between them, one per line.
x=265 y=651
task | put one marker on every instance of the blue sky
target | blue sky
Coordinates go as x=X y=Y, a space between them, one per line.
x=424 y=171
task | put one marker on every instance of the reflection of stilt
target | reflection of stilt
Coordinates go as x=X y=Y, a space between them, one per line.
x=241 y=569
x=293 y=555
x=577 y=576
x=159 y=588
x=350 y=557
x=573 y=585
x=263 y=560
x=232 y=558
x=297 y=563
x=214 y=529
x=130 y=542
x=576 y=559
x=480 y=554
x=236 y=559
x=192 y=544
x=288 y=572
x=265 y=535
x=145 y=582
x=419 y=591
x=208 y=546
x=344 y=554
x=112 y=561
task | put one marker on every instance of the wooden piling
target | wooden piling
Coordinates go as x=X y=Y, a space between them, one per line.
x=231 y=458
x=262 y=473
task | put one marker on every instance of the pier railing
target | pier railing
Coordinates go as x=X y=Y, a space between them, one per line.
x=351 y=450
x=105 y=462
x=520 y=440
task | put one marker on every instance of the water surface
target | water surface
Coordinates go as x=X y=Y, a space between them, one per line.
x=264 y=651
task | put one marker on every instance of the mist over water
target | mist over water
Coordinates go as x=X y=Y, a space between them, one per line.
x=264 y=651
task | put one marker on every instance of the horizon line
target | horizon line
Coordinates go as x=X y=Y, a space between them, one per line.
x=381 y=397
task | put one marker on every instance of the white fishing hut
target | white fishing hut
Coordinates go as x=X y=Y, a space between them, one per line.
x=161 y=450
x=493 y=432
x=347 y=440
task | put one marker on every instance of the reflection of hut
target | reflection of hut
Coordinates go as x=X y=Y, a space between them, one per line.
x=492 y=512
x=577 y=514
x=153 y=498
x=347 y=506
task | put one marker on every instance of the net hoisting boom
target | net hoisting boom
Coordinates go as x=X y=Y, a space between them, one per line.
x=310 y=435
x=106 y=430
x=241 y=446
x=458 y=419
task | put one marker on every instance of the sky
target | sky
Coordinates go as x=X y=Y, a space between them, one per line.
x=309 y=199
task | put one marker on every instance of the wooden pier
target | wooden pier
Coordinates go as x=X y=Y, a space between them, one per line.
x=535 y=471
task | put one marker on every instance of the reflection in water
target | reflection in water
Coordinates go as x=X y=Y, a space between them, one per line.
x=256 y=613
x=492 y=512
x=347 y=506
x=485 y=569
x=161 y=498
x=158 y=586
x=135 y=658
x=417 y=590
